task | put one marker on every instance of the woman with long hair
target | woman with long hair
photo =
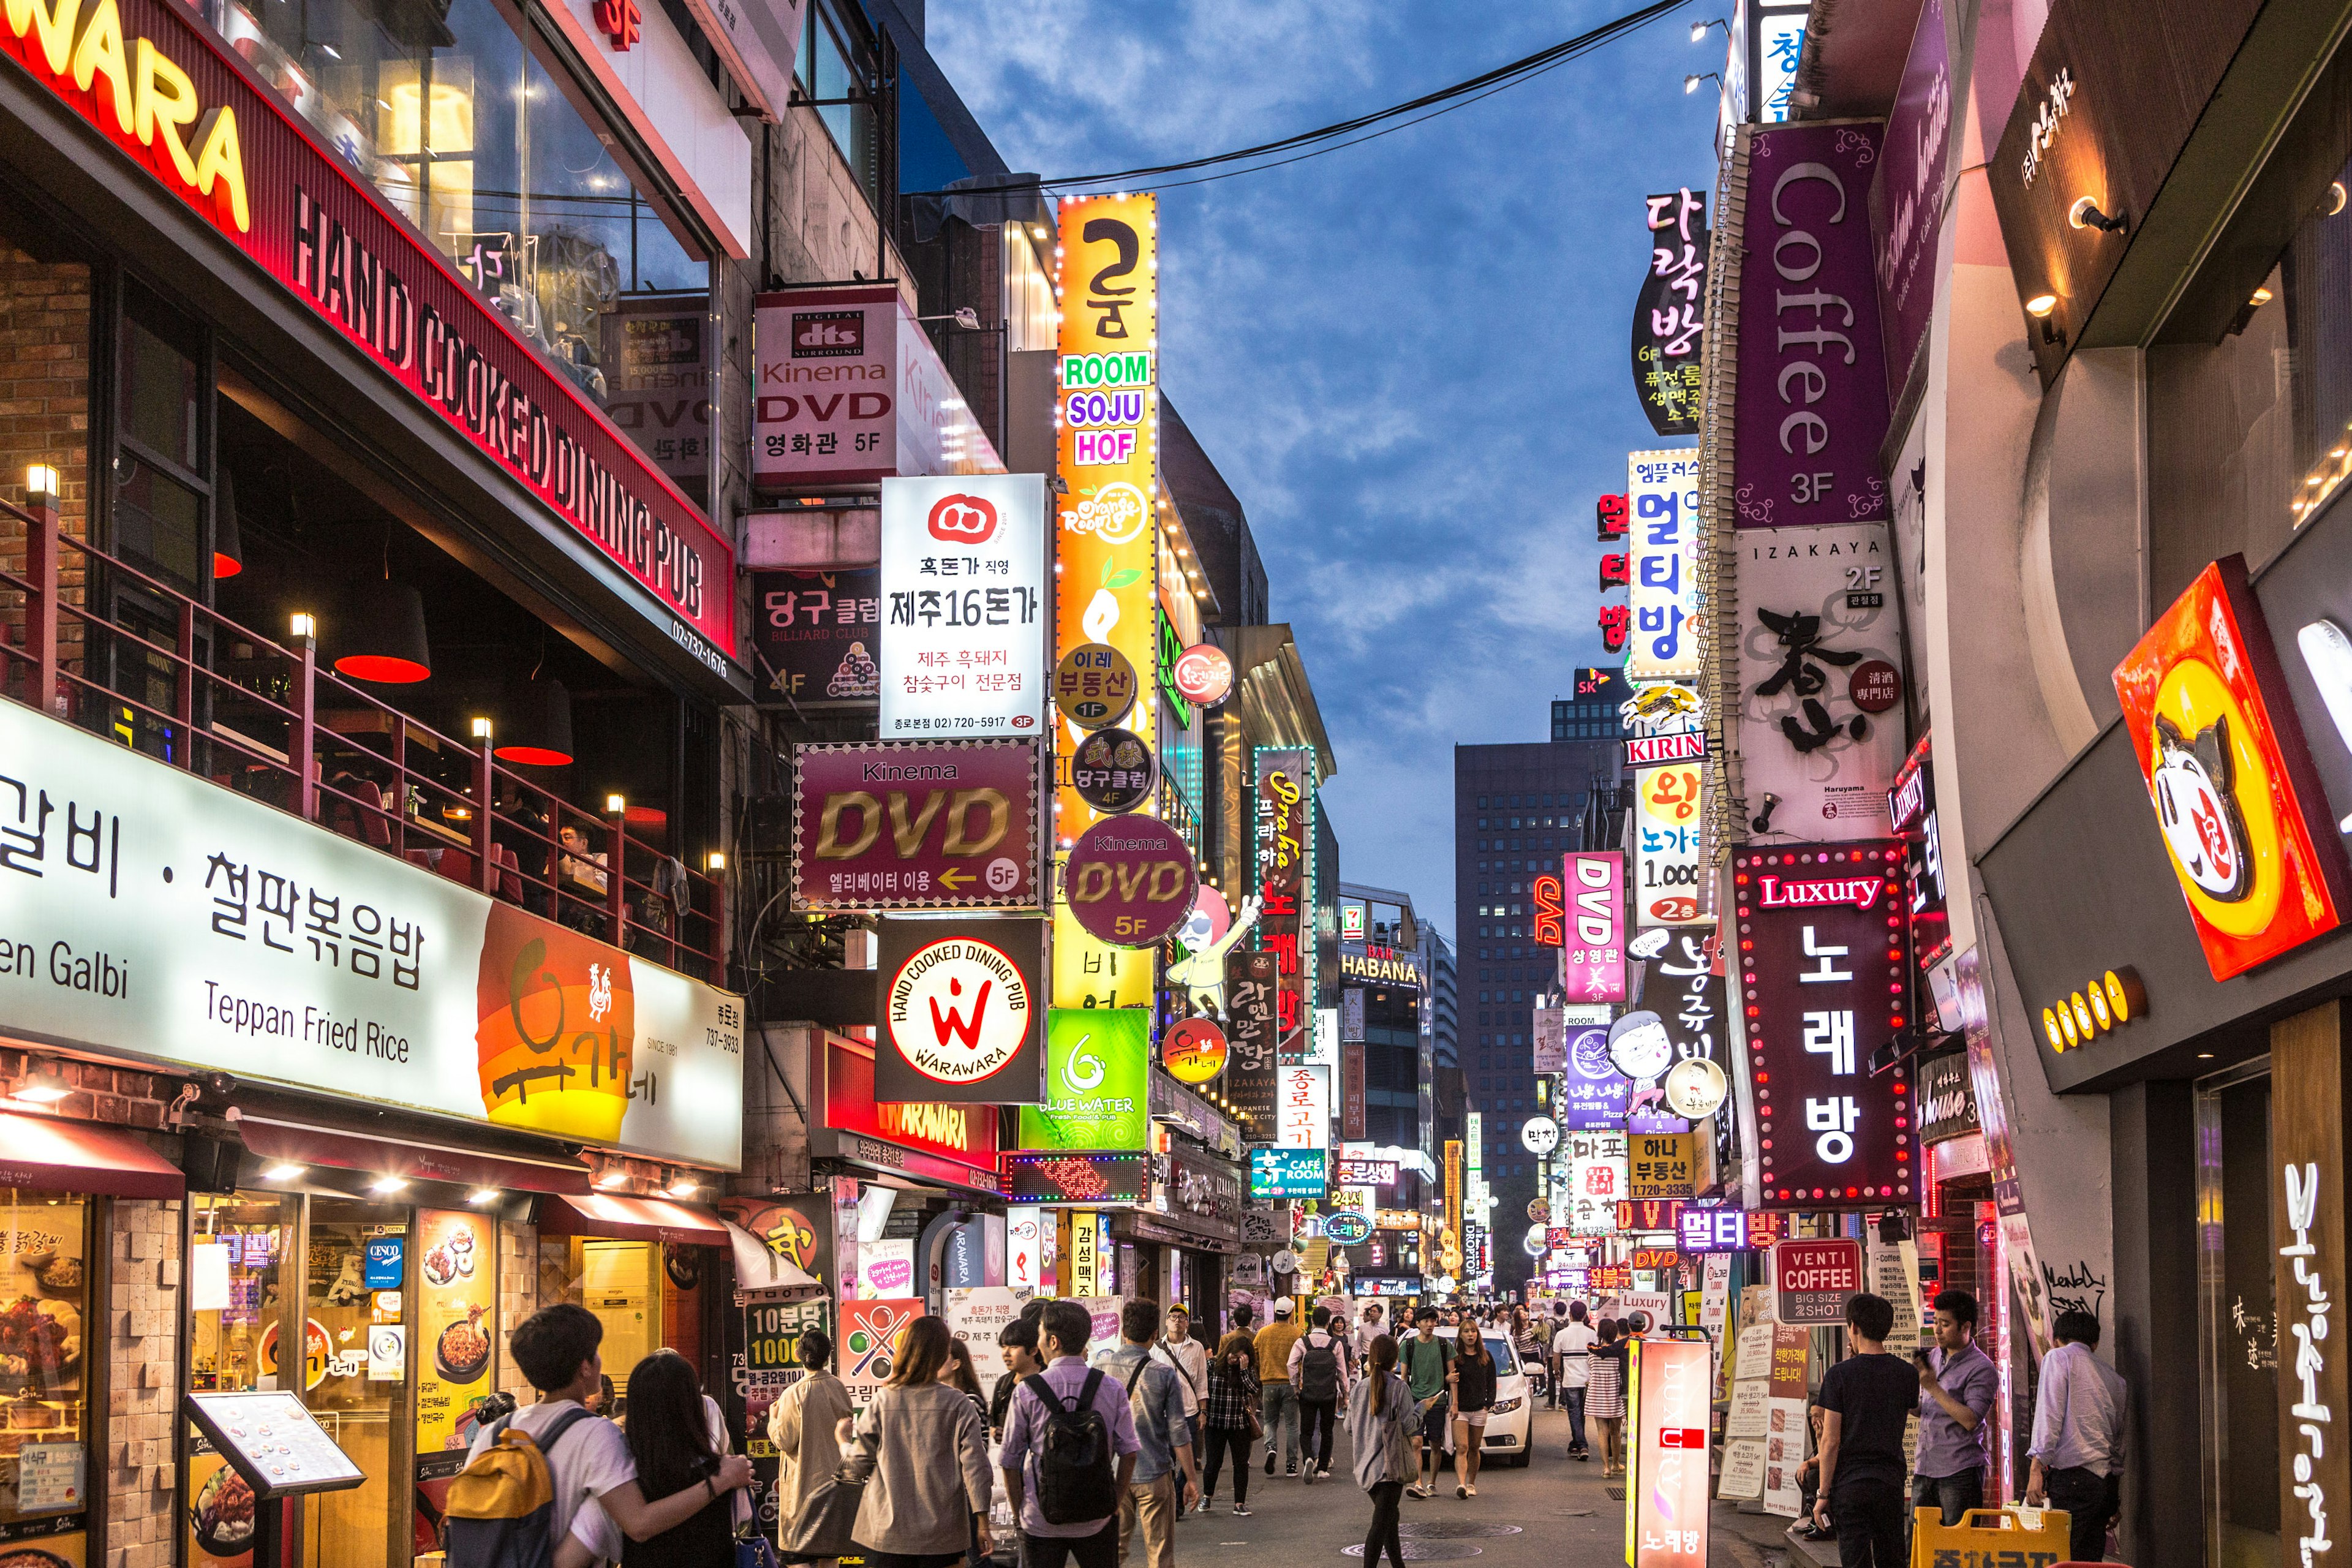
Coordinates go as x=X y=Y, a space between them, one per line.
x=1225 y=1416
x=1604 y=1400
x=1382 y=1418
x=959 y=1374
x=1474 y=1375
x=676 y=1437
x=921 y=1448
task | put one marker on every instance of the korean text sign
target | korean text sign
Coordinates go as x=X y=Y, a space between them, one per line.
x=816 y=635
x=1669 y=820
x=1824 y=979
x=1250 y=1070
x=1303 y=1111
x=1596 y=1179
x=1906 y=193
x=852 y=390
x=1662 y=491
x=915 y=824
x=186 y=923
x=1670 y=313
x=1680 y=985
x=1592 y=960
x=1660 y=1165
x=964 y=592
x=1813 y=408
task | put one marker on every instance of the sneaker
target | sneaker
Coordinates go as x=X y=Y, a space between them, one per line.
x=1461 y=1491
x=1269 y=1461
x=1308 y=1478
x=1240 y=1512
x=1473 y=1490
x=1327 y=1470
x=1290 y=1469
x=1579 y=1455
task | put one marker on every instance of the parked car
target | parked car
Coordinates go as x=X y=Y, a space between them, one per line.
x=1510 y=1419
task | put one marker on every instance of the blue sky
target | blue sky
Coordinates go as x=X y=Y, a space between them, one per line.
x=1409 y=358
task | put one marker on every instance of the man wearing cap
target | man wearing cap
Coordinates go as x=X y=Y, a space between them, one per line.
x=1280 y=1408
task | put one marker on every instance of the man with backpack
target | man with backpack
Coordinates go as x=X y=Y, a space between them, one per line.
x=559 y=1450
x=1155 y=1393
x=1070 y=1449
x=1320 y=1375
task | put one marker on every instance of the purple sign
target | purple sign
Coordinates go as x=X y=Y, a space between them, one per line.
x=1813 y=382
x=1906 y=200
x=1594 y=1095
x=1131 y=880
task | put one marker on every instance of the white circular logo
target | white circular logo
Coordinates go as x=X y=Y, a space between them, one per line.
x=1535 y=1242
x=1116 y=514
x=1694 y=1089
x=1285 y=1262
x=1004 y=874
x=958 y=1010
x=1540 y=1135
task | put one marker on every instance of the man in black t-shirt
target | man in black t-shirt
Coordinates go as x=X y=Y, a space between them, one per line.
x=1866 y=1400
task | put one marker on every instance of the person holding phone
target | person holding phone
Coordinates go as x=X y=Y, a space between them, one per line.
x=1958 y=1386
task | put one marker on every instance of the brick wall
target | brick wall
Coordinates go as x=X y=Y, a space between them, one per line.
x=143 y=1315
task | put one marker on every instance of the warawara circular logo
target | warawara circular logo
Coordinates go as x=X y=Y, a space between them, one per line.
x=958 y=1010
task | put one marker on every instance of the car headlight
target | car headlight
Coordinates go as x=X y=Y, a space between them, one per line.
x=1505 y=1407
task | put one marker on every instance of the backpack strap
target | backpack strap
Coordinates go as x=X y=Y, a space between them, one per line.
x=1136 y=1376
x=560 y=1425
x=1036 y=1384
x=1094 y=1385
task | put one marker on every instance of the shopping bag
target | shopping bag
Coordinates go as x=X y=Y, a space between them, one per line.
x=827 y=1520
x=1983 y=1531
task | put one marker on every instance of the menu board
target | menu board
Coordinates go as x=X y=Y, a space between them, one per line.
x=457 y=1324
x=271 y=1441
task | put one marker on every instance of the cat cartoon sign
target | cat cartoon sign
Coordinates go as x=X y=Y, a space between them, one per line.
x=2237 y=802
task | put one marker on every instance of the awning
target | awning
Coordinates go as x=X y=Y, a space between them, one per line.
x=632 y=1219
x=297 y=1143
x=83 y=1157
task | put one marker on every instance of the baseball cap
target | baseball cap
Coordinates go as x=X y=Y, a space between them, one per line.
x=1282 y=1308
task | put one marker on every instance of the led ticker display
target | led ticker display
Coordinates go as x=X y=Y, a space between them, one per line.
x=1078 y=1178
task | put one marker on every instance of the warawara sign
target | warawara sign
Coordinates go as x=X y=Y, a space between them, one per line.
x=915 y=824
x=148 y=913
x=964 y=595
x=963 y=1014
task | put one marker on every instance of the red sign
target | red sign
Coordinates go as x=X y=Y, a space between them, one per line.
x=1671 y=1411
x=622 y=21
x=1655 y=1257
x=1203 y=674
x=1649 y=1214
x=1650 y=751
x=1551 y=922
x=2237 y=800
x=1609 y=1276
x=1812 y=1280
x=963 y=1133
x=1826 y=982
x=250 y=166
x=1194 y=1051
x=895 y=824
x=962 y=519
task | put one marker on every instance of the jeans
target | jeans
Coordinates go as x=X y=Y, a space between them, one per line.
x=1220 y=1441
x=1382 y=1536
x=2089 y=1499
x=1868 y=1517
x=1150 y=1508
x=1280 y=1415
x=1099 y=1550
x=1953 y=1494
x=1317 y=1416
x=1574 y=1399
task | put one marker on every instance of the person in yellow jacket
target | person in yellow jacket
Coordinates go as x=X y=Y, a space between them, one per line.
x=1279 y=1399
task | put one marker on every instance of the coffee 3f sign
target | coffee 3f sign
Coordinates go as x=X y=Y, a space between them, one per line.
x=964 y=602
x=962 y=1015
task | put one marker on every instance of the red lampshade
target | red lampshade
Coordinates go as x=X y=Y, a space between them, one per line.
x=534 y=723
x=228 y=546
x=382 y=638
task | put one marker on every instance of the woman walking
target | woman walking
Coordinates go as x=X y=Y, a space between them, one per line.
x=678 y=1438
x=921 y=1448
x=1227 y=1416
x=1473 y=1395
x=1604 y=1400
x=803 y=1424
x=1382 y=1417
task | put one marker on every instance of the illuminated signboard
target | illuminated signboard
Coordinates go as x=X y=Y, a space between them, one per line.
x=1665 y=597
x=1596 y=1179
x=1592 y=957
x=1727 y=1230
x=1302 y=1106
x=1285 y=849
x=1672 y=1412
x=1097 y=1070
x=1069 y=1177
x=963 y=598
x=1286 y=1174
x=1382 y=966
x=1670 y=313
x=1668 y=821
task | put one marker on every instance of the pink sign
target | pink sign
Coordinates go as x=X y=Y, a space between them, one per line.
x=1131 y=880
x=1592 y=960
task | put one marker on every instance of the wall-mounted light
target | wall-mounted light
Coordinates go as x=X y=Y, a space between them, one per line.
x=616 y=805
x=1690 y=83
x=481 y=1196
x=716 y=860
x=2334 y=203
x=683 y=1185
x=42 y=1086
x=303 y=624
x=283 y=1172
x=385 y=1185
x=609 y=1173
x=1698 y=29
x=1762 y=821
x=2085 y=214
x=41 y=484
x=2040 y=307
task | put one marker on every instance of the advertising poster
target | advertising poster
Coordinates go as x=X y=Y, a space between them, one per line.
x=1592 y=955
x=870 y=1334
x=1786 y=1433
x=961 y=1020
x=893 y=825
x=976 y=1315
x=816 y=635
x=456 y=1322
x=772 y=1353
x=1096 y=1067
x=1820 y=674
x=1669 y=820
x=964 y=593
x=1662 y=541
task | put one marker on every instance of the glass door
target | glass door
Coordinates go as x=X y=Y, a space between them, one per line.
x=355 y=1370
x=237 y=1246
x=621 y=1283
x=2238 y=1319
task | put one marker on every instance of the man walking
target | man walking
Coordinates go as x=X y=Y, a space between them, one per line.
x=1428 y=1378
x=1571 y=1350
x=1318 y=1374
x=1866 y=1399
x=1958 y=1386
x=1066 y=1326
x=2078 y=1435
x=1155 y=1392
x=1280 y=1407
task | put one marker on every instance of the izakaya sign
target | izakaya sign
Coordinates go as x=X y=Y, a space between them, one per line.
x=963 y=595
x=1668 y=610
x=915 y=824
x=961 y=1013
x=851 y=390
x=160 y=87
x=155 y=915
x=1824 y=968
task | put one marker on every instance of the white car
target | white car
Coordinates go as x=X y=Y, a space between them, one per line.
x=1510 y=1420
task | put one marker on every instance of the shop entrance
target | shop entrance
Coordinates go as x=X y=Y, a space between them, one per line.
x=355 y=1286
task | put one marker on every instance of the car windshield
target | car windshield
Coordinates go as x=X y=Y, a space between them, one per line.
x=1505 y=1364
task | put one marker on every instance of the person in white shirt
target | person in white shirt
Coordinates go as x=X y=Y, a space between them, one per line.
x=2078 y=1435
x=1572 y=1345
x=1373 y=1326
x=1188 y=1356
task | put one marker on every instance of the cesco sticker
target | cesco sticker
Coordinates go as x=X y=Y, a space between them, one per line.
x=958 y=1010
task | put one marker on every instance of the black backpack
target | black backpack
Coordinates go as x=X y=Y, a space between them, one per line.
x=1078 y=1482
x=1319 y=1371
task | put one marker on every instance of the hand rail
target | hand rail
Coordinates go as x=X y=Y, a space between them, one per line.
x=99 y=672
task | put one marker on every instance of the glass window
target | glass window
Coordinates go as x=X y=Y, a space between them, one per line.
x=354 y=1279
x=2240 y=1350
x=835 y=66
x=237 y=1245
x=45 y=1327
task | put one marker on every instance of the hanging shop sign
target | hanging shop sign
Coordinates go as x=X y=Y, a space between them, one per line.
x=2240 y=806
x=1097 y=1065
x=1823 y=966
x=1911 y=813
x=852 y=392
x=1131 y=880
x=1354 y=1171
x=1812 y=409
x=1948 y=1110
x=1695 y=1090
x=1813 y=1280
x=1538 y=1135
x=1194 y=1050
x=1727 y=1230
x=1596 y=1179
x=1667 y=607
x=1820 y=643
x=1670 y=313
x=1592 y=960
x=1287 y=1173
x=1113 y=771
x=1680 y=988
x=1354 y=1113
x=899 y=824
x=1068 y=1177
x=2307 y=1245
x=1347 y=1228
x=1302 y=1106
x=962 y=1019
x=1251 y=984
x=1551 y=1037
x=1669 y=822
x=814 y=635
x=1203 y=675
x=183 y=923
x=1660 y=1165
x=968 y=1135
x=1671 y=1406
x=1649 y=1217
x=964 y=589
x=1906 y=193
x=1550 y=912
x=1593 y=1094
x=206 y=134
x=1282 y=864
x=1093 y=686
x=1090 y=974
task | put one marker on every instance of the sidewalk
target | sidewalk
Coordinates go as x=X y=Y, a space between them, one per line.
x=1762 y=1541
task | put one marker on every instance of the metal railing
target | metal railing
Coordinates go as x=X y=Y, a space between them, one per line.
x=124 y=655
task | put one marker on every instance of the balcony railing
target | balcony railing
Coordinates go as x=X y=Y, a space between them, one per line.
x=93 y=640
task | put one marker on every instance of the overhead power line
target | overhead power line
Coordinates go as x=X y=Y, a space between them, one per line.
x=1328 y=139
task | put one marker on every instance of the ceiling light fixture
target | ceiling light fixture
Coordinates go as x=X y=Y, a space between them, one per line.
x=283 y=1172
x=481 y=1196
x=387 y=1184
x=42 y=1086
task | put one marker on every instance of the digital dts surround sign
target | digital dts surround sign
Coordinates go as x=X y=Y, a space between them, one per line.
x=249 y=167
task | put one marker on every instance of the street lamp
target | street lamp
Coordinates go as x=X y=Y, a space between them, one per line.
x=1690 y=83
x=1698 y=29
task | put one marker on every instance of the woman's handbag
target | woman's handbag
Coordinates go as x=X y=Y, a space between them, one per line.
x=1256 y=1426
x=753 y=1551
